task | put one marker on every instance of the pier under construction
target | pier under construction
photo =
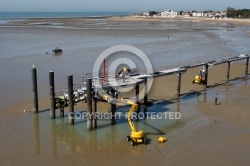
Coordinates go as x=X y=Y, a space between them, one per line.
x=106 y=88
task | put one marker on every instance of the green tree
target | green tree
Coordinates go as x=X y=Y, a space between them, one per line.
x=231 y=12
x=240 y=13
x=151 y=13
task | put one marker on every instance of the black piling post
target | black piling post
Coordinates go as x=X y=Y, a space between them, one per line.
x=216 y=99
x=228 y=70
x=62 y=112
x=34 y=90
x=179 y=85
x=95 y=110
x=145 y=96
x=71 y=99
x=246 y=71
x=52 y=95
x=63 y=103
x=137 y=90
x=113 y=111
x=206 y=75
x=89 y=104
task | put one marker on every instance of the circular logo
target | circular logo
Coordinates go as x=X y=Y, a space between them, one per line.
x=119 y=80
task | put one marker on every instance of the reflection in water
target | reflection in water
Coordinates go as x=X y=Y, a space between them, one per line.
x=136 y=150
x=57 y=54
x=77 y=139
x=53 y=137
x=37 y=134
x=178 y=105
x=204 y=97
x=68 y=135
x=227 y=92
x=246 y=81
x=72 y=139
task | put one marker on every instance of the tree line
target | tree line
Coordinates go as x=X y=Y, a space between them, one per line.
x=231 y=13
x=240 y=13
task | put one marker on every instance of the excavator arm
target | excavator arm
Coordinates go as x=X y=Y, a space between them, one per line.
x=134 y=107
x=135 y=136
x=124 y=69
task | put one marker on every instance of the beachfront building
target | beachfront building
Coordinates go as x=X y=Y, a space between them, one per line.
x=219 y=16
x=185 y=14
x=168 y=14
x=208 y=15
x=197 y=14
x=145 y=14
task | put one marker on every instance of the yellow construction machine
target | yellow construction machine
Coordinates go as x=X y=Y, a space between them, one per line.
x=121 y=73
x=199 y=79
x=135 y=136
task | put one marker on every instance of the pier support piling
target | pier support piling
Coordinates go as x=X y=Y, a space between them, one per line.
x=113 y=111
x=52 y=95
x=34 y=90
x=145 y=96
x=179 y=85
x=137 y=90
x=61 y=112
x=95 y=110
x=71 y=99
x=206 y=75
x=228 y=71
x=246 y=71
x=216 y=100
x=89 y=104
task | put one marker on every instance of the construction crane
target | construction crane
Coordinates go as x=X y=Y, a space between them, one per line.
x=135 y=136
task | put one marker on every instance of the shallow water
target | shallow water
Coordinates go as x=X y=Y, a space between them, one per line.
x=39 y=138
x=38 y=135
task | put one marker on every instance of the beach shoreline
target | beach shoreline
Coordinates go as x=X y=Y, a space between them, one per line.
x=81 y=21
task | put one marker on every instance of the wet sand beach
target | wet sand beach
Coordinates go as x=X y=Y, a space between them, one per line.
x=206 y=134
x=115 y=21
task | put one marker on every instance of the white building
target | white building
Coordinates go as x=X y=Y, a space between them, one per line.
x=168 y=14
x=197 y=14
x=145 y=14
